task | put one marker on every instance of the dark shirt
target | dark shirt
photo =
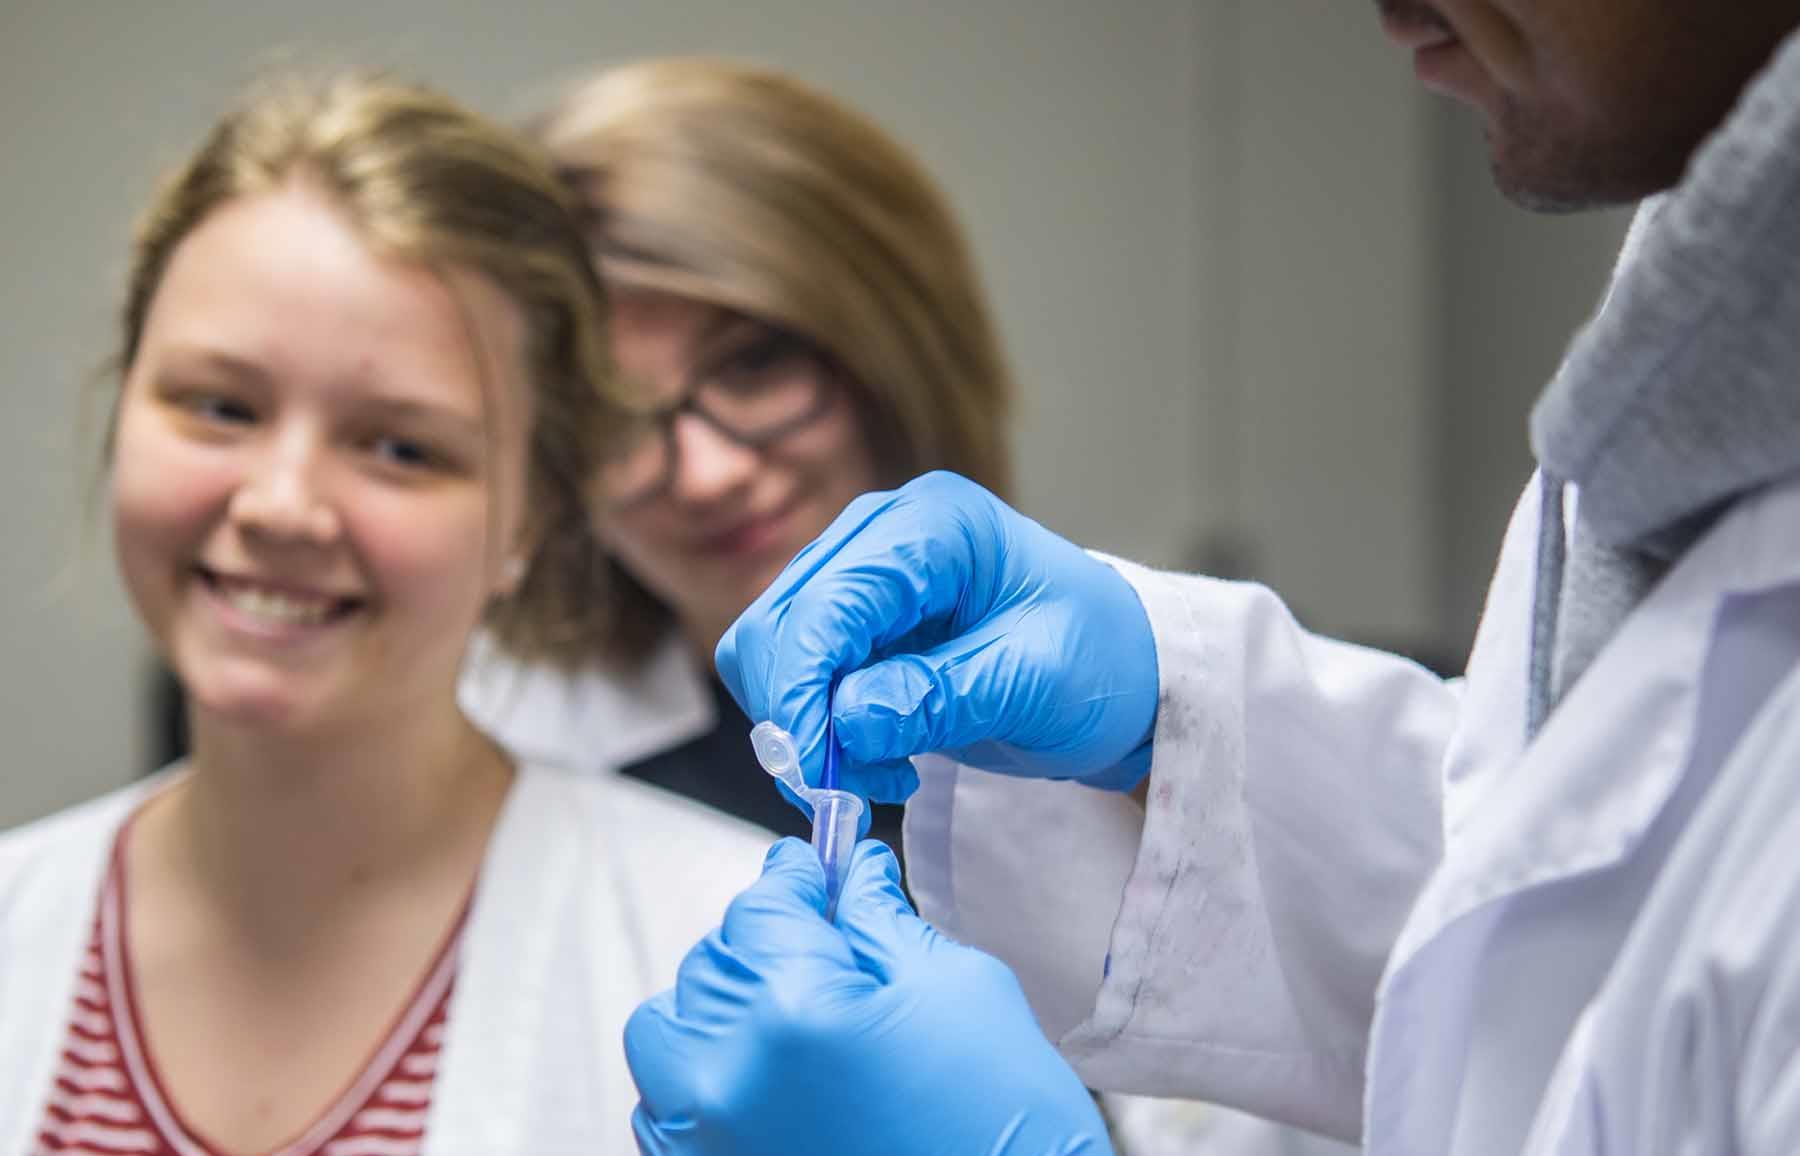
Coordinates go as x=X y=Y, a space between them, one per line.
x=719 y=769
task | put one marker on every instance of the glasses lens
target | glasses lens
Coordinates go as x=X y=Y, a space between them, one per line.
x=636 y=462
x=764 y=387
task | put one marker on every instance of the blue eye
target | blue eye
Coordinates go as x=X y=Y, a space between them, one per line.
x=405 y=452
x=225 y=410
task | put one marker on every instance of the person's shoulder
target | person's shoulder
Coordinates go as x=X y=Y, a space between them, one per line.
x=676 y=863
x=72 y=823
x=74 y=833
x=662 y=844
x=636 y=812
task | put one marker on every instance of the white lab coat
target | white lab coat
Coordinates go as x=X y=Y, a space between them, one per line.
x=590 y=719
x=592 y=891
x=599 y=720
x=1360 y=901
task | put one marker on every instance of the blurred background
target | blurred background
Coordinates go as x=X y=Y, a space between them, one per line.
x=1270 y=318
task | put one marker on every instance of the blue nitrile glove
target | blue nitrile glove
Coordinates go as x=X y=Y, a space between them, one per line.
x=955 y=624
x=786 y=1035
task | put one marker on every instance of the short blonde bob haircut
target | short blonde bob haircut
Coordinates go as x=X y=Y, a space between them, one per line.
x=423 y=180
x=741 y=187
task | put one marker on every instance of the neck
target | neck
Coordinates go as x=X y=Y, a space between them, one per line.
x=278 y=833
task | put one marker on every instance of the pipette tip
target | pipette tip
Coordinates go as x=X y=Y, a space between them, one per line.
x=828 y=775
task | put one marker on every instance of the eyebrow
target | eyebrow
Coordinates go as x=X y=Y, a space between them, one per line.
x=197 y=359
x=190 y=359
x=405 y=409
x=706 y=345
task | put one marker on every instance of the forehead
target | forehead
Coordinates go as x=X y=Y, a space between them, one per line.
x=282 y=282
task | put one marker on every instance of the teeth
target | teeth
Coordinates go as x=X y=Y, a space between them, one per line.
x=277 y=607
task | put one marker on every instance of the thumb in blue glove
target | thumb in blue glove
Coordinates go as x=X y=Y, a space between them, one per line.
x=948 y=622
x=786 y=1035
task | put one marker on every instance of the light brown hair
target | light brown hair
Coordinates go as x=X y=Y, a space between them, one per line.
x=744 y=188
x=422 y=179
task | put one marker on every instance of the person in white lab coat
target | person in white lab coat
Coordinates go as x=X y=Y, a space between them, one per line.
x=1552 y=907
x=360 y=396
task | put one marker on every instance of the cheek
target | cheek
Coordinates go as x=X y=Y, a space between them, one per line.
x=834 y=457
x=440 y=548
x=649 y=540
x=163 y=498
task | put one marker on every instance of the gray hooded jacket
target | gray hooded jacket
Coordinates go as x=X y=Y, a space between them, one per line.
x=1683 y=394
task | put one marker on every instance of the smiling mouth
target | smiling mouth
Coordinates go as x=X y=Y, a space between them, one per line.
x=749 y=535
x=277 y=606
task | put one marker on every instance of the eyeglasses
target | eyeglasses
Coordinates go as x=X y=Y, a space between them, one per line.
x=761 y=384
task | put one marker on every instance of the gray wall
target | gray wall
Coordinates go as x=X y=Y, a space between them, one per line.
x=1237 y=256
x=1515 y=287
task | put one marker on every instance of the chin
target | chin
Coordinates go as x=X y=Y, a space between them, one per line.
x=243 y=701
x=1555 y=173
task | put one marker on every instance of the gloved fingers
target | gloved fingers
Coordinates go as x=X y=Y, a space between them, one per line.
x=657 y=1050
x=743 y=653
x=889 y=563
x=976 y=688
x=1017 y=694
x=891 y=781
x=883 y=932
x=779 y=921
x=654 y=1137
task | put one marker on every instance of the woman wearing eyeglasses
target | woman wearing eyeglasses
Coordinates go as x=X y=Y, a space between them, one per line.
x=798 y=319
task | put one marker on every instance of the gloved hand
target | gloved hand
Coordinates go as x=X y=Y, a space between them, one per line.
x=785 y=1035
x=955 y=624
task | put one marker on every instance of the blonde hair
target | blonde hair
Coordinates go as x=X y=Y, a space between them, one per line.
x=741 y=187
x=422 y=179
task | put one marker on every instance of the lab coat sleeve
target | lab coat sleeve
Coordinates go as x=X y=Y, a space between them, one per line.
x=1225 y=941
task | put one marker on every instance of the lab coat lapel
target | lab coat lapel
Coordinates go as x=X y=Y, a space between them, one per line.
x=1580 y=799
x=550 y=966
x=1564 y=809
x=41 y=942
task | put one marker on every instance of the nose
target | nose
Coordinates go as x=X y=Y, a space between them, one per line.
x=709 y=465
x=280 y=499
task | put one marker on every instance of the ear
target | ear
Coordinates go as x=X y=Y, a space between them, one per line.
x=512 y=575
x=520 y=557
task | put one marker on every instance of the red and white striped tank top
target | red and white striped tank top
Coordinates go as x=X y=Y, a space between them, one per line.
x=108 y=1099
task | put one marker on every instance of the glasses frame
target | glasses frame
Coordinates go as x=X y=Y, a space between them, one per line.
x=827 y=384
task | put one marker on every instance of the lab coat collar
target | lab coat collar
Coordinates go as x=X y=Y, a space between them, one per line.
x=1568 y=806
x=591 y=719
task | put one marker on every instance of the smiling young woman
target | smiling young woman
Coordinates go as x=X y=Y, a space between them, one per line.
x=360 y=398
